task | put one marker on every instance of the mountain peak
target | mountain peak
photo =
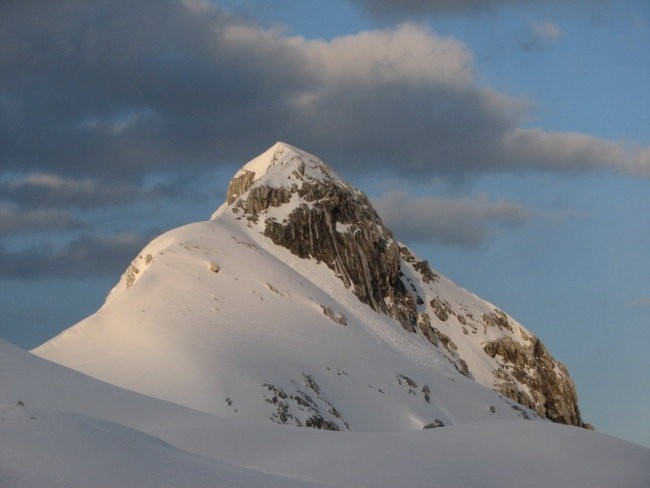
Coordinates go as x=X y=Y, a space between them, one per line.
x=281 y=165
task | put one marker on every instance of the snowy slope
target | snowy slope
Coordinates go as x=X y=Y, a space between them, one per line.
x=59 y=428
x=168 y=445
x=43 y=448
x=211 y=341
x=489 y=453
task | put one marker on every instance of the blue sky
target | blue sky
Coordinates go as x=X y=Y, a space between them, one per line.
x=507 y=142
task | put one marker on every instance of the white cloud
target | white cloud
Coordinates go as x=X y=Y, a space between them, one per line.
x=406 y=54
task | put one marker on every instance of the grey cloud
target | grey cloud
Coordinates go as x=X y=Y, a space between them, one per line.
x=19 y=221
x=405 y=8
x=115 y=90
x=85 y=257
x=460 y=222
x=571 y=152
x=436 y=7
x=48 y=190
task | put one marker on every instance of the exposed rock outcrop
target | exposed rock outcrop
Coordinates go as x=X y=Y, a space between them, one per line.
x=298 y=407
x=441 y=308
x=551 y=391
x=132 y=273
x=338 y=318
x=239 y=185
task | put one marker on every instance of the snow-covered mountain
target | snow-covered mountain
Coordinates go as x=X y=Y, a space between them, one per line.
x=295 y=304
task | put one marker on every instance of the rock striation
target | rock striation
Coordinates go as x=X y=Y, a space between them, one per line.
x=299 y=203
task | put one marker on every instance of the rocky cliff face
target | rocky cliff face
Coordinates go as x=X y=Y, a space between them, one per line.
x=300 y=204
x=332 y=223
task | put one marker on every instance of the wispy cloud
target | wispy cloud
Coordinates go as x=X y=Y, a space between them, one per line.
x=457 y=222
x=540 y=35
x=20 y=221
x=405 y=8
x=48 y=190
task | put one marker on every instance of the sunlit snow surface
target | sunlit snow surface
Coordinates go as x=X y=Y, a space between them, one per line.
x=59 y=428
